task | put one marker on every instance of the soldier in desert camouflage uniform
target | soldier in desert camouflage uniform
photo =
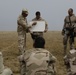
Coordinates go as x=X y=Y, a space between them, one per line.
x=4 y=70
x=70 y=62
x=22 y=29
x=38 y=18
x=38 y=61
x=69 y=29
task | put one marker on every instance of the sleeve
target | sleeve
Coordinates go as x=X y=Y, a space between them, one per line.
x=66 y=60
x=46 y=25
x=20 y=58
x=52 y=58
x=22 y=22
x=34 y=19
x=64 y=26
x=52 y=65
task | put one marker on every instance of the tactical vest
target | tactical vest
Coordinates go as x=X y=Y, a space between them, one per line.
x=70 y=25
x=38 y=62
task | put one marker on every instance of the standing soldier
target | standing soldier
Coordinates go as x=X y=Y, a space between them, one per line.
x=22 y=29
x=38 y=61
x=34 y=35
x=68 y=29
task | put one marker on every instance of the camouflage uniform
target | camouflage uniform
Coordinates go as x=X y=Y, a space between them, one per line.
x=1 y=63
x=22 y=33
x=38 y=61
x=68 y=31
x=70 y=62
x=39 y=34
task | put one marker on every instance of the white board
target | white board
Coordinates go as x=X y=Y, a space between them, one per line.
x=39 y=27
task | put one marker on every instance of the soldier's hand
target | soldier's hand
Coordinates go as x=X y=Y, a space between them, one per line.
x=34 y=23
x=62 y=32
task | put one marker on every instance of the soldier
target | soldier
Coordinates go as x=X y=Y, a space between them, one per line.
x=22 y=29
x=68 y=29
x=38 y=61
x=70 y=62
x=38 y=18
x=4 y=70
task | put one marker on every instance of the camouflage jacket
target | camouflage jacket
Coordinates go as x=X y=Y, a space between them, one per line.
x=22 y=23
x=39 y=62
x=67 y=21
x=69 y=25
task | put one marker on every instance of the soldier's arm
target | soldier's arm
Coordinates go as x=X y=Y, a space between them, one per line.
x=22 y=22
x=52 y=64
x=64 y=26
x=52 y=59
x=46 y=26
x=66 y=61
x=34 y=23
x=20 y=58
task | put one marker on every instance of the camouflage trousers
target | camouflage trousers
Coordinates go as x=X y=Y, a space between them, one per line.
x=65 y=40
x=21 y=41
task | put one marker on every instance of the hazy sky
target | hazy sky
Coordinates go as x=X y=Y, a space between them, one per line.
x=53 y=11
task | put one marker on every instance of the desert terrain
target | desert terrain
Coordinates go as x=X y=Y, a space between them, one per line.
x=9 y=48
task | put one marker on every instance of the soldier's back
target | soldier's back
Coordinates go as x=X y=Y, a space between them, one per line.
x=37 y=62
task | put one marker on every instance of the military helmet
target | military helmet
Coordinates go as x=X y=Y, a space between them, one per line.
x=70 y=9
x=25 y=11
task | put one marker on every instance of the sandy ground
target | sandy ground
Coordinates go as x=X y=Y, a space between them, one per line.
x=9 y=47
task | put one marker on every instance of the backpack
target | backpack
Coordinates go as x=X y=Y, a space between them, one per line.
x=38 y=62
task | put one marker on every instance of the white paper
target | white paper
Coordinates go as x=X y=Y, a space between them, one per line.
x=39 y=27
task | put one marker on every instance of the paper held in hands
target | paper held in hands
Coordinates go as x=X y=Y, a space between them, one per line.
x=39 y=27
